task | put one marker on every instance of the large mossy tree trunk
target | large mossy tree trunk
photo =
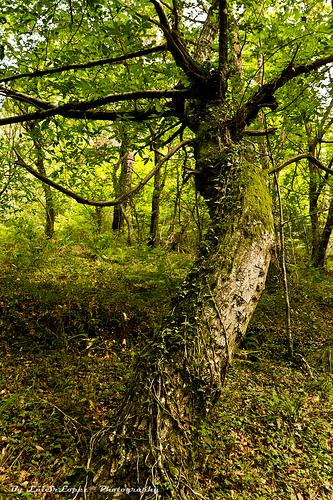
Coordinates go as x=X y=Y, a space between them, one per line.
x=179 y=375
x=177 y=378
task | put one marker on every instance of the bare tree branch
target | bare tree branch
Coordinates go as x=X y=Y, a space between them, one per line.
x=87 y=65
x=175 y=15
x=94 y=103
x=19 y=96
x=259 y=133
x=121 y=115
x=177 y=47
x=207 y=34
x=112 y=203
x=126 y=96
x=299 y=157
x=84 y=109
x=264 y=97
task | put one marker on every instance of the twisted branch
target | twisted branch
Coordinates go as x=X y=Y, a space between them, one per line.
x=87 y=65
x=111 y=203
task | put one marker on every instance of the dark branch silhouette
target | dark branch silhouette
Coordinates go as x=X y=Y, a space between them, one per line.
x=207 y=34
x=87 y=65
x=95 y=103
x=181 y=56
x=302 y=156
x=259 y=133
x=28 y=99
x=121 y=115
x=117 y=201
x=264 y=97
x=83 y=109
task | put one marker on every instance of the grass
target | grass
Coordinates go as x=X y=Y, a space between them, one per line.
x=71 y=320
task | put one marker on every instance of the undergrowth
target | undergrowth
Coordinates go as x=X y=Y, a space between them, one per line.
x=72 y=318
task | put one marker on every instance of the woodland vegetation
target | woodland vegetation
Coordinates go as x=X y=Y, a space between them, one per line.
x=166 y=254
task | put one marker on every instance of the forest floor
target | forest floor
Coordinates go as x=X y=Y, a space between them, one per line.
x=71 y=322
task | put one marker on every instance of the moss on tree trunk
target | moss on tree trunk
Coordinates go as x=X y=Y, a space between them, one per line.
x=179 y=375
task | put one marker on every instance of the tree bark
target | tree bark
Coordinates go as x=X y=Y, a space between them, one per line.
x=155 y=206
x=50 y=212
x=179 y=375
x=319 y=239
x=313 y=209
x=319 y=253
x=99 y=219
x=123 y=185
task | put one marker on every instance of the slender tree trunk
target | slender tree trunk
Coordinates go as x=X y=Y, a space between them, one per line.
x=314 y=192
x=175 y=236
x=318 y=256
x=320 y=239
x=50 y=212
x=313 y=210
x=283 y=265
x=198 y=219
x=99 y=219
x=49 y=207
x=179 y=375
x=123 y=185
x=155 y=206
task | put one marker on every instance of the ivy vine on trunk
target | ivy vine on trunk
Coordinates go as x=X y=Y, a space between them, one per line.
x=177 y=378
